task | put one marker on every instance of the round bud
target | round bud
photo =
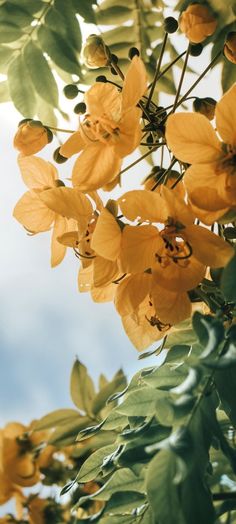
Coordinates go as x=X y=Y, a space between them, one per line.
x=24 y=121
x=35 y=123
x=113 y=71
x=170 y=24
x=206 y=106
x=195 y=49
x=133 y=51
x=59 y=159
x=49 y=134
x=230 y=47
x=58 y=182
x=70 y=91
x=101 y=78
x=80 y=108
x=95 y=52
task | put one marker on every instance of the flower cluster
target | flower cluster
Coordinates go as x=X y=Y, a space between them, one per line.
x=145 y=250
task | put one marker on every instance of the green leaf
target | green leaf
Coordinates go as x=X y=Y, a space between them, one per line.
x=4 y=92
x=21 y=88
x=124 y=501
x=6 y=54
x=118 y=383
x=115 y=420
x=140 y=403
x=61 y=18
x=9 y=32
x=66 y=433
x=165 y=377
x=56 y=418
x=40 y=74
x=228 y=284
x=177 y=353
x=161 y=491
x=59 y=50
x=196 y=501
x=16 y=14
x=46 y=113
x=93 y=465
x=81 y=387
x=190 y=383
x=225 y=380
x=228 y=75
x=119 y=34
x=28 y=5
x=113 y=15
x=84 y=9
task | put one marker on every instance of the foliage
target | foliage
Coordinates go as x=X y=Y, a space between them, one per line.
x=162 y=448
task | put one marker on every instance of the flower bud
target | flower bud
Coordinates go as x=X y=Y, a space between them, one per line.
x=197 y=23
x=96 y=53
x=80 y=108
x=58 y=157
x=205 y=106
x=170 y=24
x=71 y=91
x=133 y=51
x=31 y=137
x=195 y=49
x=230 y=47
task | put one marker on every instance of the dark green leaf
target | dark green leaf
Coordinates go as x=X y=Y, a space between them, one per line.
x=66 y=433
x=59 y=50
x=118 y=383
x=225 y=380
x=228 y=281
x=16 y=14
x=21 y=88
x=61 y=18
x=141 y=402
x=28 y=5
x=40 y=74
x=9 y=32
x=81 y=387
x=177 y=353
x=84 y=9
x=93 y=465
x=124 y=501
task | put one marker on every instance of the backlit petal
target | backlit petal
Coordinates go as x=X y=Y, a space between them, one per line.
x=36 y=172
x=130 y=132
x=176 y=277
x=139 y=330
x=176 y=208
x=207 y=247
x=103 y=294
x=104 y=271
x=135 y=84
x=192 y=139
x=85 y=279
x=131 y=292
x=138 y=248
x=106 y=238
x=171 y=308
x=143 y=205
x=33 y=214
x=96 y=166
x=104 y=99
x=226 y=116
x=73 y=145
x=70 y=203
x=58 y=250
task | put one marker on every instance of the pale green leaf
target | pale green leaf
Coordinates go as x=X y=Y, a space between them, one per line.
x=21 y=88
x=81 y=387
x=58 y=49
x=4 y=92
x=40 y=74
x=57 y=418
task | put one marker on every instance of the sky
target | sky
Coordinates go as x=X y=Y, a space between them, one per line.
x=45 y=322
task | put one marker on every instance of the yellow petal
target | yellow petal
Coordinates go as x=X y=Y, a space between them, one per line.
x=85 y=279
x=139 y=330
x=104 y=99
x=135 y=84
x=130 y=133
x=96 y=199
x=176 y=277
x=207 y=217
x=226 y=116
x=138 y=248
x=104 y=271
x=143 y=205
x=70 y=203
x=58 y=250
x=36 y=172
x=73 y=145
x=70 y=239
x=96 y=166
x=170 y=307
x=176 y=207
x=103 y=294
x=107 y=236
x=207 y=247
x=192 y=139
x=131 y=292
x=33 y=214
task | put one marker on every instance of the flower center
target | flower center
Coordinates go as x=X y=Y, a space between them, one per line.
x=176 y=249
x=100 y=129
x=228 y=163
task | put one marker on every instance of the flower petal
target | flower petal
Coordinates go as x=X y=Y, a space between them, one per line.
x=177 y=277
x=36 y=172
x=33 y=214
x=97 y=165
x=73 y=145
x=103 y=294
x=85 y=278
x=143 y=205
x=176 y=208
x=106 y=237
x=70 y=203
x=139 y=330
x=131 y=292
x=58 y=250
x=104 y=271
x=104 y=99
x=207 y=247
x=135 y=84
x=130 y=132
x=226 y=116
x=171 y=308
x=192 y=139
x=138 y=248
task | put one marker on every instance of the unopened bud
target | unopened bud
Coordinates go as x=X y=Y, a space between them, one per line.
x=71 y=91
x=101 y=78
x=133 y=51
x=112 y=206
x=205 y=106
x=113 y=71
x=31 y=137
x=80 y=108
x=170 y=24
x=195 y=49
x=230 y=47
x=197 y=23
x=60 y=159
x=96 y=53
x=59 y=183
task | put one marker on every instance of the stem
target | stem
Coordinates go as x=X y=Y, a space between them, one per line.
x=118 y=70
x=181 y=79
x=139 y=159
x=157 y=70
x=169 y=66
x=199 y=79
x=59 y=129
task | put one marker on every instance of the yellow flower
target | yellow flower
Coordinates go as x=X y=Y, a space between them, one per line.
x=110 y=130
x=210 y=181
x=31 y=137
x=177 y=254
x=32 y=210
x=95 y=52
x=230 y=47
x=197 y=23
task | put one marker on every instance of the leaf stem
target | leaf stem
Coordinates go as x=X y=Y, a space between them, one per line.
x=181 y=79
x=157 y=70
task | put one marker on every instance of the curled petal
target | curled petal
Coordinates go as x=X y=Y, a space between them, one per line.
x=207 y=247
